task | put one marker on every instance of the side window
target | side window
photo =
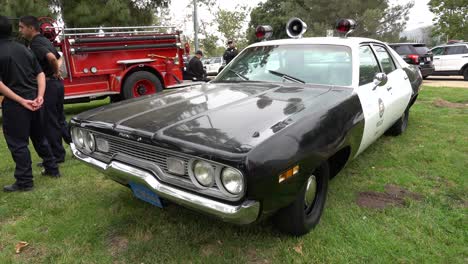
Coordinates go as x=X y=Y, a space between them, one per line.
x=455 y=50
x=438 y=51
x=368 y=65
x=385 y=60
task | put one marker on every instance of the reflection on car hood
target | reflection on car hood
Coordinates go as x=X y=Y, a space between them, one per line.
x=233 y=117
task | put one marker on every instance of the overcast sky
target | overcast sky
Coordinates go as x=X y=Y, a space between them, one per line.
x=419 y=14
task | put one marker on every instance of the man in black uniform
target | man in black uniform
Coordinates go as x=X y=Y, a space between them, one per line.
x=230 y=52
x=47 y=55
x=22 y=82
x=195 y=67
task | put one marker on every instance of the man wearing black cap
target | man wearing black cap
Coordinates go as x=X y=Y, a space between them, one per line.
x=230 y=52
x=47 y=55
x=22 y=82
x=195 y=67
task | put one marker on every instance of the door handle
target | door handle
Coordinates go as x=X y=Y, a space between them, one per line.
x=389 y=88
x=436 y=58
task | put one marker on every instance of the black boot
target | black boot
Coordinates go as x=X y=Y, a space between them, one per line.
x=17 y=188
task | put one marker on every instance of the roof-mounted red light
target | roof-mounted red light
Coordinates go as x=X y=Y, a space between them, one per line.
x=345 y=26
x=263 y=32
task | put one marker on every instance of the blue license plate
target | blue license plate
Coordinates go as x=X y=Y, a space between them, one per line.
x=143 y=193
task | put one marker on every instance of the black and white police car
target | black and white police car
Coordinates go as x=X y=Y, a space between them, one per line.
x=264 y=137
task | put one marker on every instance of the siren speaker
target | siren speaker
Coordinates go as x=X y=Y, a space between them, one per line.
x=295 y=28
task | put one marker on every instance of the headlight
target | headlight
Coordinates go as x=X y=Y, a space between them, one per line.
x=232 y=181
x=78 y=137
x=89 y=142
x=204 y=173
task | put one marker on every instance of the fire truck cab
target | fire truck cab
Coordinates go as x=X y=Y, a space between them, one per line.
x=120 y=62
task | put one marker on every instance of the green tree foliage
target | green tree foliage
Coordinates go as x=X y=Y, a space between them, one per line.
x=18 y=8
x=376 y=18
x=230 y=24
x=451 y=18
x=92 y=13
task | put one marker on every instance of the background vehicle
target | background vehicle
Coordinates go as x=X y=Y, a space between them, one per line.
x=416 y=54
x=451 y=59
x=213 y=65
x=121 y=62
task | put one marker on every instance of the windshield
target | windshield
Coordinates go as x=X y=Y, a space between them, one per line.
x=317 y=64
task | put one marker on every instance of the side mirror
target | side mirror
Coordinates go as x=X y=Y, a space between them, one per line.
x=380 y=79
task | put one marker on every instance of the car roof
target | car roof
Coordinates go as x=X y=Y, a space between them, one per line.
x=317 y=40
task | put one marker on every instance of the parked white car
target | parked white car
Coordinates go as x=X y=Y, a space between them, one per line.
x=451 y=59
x=213 y=65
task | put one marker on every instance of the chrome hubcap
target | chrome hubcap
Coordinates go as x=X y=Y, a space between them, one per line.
x=311 y=190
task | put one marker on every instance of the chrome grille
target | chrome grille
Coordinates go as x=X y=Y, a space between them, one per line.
x=142 y=151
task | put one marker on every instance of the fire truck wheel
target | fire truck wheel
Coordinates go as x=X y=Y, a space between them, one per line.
x=141 y=83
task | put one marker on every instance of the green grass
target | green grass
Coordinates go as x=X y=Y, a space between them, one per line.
x=84 y=218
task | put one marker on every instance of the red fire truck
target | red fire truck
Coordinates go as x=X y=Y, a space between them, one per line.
x=120 y=62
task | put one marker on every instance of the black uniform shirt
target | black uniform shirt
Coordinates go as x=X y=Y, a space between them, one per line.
x=195 y=67
x=40 y=45
x=18 y=68
x=230 y=54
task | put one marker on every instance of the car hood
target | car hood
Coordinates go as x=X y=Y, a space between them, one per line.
x=233 y=117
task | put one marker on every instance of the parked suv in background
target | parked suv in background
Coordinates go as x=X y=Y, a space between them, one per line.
x=451 y=59
x=416 y=54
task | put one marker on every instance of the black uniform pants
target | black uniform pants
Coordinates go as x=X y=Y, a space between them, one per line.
x=20 y=124
x=56 y=126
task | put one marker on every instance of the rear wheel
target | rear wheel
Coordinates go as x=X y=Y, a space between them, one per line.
x=141 y=83
x=304 y=213
x=465 y=74
x=400 y=126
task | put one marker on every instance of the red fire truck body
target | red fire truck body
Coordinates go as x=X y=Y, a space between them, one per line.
x=121 y=62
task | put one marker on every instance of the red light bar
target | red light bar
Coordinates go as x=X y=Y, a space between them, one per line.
x=263 y=32
x=345 y=26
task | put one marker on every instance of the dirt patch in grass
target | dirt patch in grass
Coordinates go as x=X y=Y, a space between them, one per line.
x=393 y=196
x=443 y=103
x=117 y=244
x=254 y=258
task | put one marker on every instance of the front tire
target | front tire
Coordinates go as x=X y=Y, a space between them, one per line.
x=304 y=213
x=465 y=74
x=400 y=126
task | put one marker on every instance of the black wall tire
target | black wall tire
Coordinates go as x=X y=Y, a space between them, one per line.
x=141 y=83
x=297 y=218
x=400 y=126
x=465 y=73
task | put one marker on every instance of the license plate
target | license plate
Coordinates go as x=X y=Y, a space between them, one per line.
x=143 y=193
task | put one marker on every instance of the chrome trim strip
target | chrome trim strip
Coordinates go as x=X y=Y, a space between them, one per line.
x=245 y=213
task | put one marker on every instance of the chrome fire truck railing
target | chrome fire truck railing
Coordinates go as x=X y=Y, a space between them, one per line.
x=103 y=31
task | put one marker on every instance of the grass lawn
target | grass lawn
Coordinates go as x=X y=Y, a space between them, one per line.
x=84 y=218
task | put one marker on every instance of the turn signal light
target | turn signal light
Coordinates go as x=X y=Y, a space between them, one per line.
x=288 y=174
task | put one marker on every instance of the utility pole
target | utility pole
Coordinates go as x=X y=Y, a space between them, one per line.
x=195 y=24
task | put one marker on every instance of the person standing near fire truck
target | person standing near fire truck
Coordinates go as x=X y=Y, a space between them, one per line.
x=195 y=67
x=231 y=52
x=47 y=55
x=22 y=82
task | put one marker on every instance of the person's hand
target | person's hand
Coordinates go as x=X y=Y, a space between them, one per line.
x=58 y=76
x=38 y=102
x=28 y=104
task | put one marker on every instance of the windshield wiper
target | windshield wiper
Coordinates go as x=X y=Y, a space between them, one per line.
x=286 y=76
x=239 y=75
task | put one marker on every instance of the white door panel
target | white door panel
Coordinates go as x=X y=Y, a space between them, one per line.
x=399 y=92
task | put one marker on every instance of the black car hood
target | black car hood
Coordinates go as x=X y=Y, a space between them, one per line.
x=233 y=117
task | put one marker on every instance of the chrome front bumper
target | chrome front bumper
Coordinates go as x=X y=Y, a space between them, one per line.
x=245 y=213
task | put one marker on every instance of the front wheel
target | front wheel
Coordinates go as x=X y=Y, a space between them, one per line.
x=141 y=83
x=304 y=213
x=465 y=74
